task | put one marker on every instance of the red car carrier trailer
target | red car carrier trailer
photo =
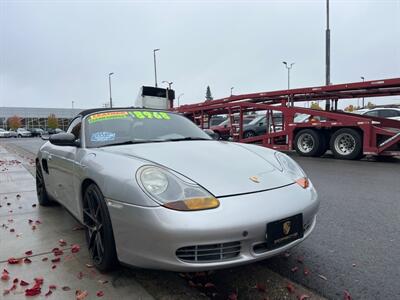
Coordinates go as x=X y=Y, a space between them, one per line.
x=347 y=135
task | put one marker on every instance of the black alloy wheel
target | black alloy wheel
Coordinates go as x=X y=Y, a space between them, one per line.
x=99 y=234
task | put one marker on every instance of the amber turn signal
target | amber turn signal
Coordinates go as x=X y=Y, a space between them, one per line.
x=303 y=182
x=193 y=204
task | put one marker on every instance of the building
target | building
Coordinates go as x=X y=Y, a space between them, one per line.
x=35 y=117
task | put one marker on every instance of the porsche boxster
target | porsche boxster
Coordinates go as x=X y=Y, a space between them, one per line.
x=154 y=191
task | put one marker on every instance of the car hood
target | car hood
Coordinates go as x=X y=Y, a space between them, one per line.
x=223 y=168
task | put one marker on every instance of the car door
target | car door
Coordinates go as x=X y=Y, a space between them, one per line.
x=61 y=164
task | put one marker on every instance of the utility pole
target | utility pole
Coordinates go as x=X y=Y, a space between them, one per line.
x=289 y=67
x=155 y=66
x=363 y=104
x=327 y=55
x=109 y=85
x=168 y=88
x=232 y=90
x=179 y=97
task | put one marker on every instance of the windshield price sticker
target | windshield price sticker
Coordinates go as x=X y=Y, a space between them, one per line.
x=102 y=136
x=150 y=115
x=108 y=116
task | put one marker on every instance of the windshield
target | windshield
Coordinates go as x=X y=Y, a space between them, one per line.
x=257 y=120
x=139 y=126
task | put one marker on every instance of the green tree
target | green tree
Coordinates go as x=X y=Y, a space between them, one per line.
x=315 y=105
x=208 y=93
x=52 y=121
x=14 y=122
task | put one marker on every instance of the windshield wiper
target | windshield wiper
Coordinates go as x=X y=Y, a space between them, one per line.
x=132 y=142
x=188 y=138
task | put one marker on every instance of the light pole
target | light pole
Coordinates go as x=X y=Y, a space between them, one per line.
x=363 y=79
x=232 y=90
x=327 y=54
x=288 y=67
x=155 y=65
x=168 y=88
x=179 y=97
x=109 y=85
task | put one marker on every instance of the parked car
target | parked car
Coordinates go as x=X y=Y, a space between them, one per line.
x=37 y=131
x=258 y=126
x=223 y=130
x=4 y=133
x=22 y=132
x=138 y=178
x=54 y=130
x=216 y=120
x=13 y=133
x=389 y=113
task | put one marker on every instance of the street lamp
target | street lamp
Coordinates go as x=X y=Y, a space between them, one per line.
x=179 y=97
x=109 y=85
x=288 y=67
x=155 y=66
x=232 y=90
x=363 y=79
x=168 y=88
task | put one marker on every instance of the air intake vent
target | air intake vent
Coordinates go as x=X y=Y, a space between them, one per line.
x=209 y=253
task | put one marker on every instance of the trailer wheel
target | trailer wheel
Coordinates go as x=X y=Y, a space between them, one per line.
x=248 y=134
x=309 y=142
x=346 y=143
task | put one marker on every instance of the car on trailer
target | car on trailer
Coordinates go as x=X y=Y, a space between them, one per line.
x=384 y=112
x=154 y=191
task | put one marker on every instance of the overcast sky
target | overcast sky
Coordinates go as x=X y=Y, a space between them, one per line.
x=56 y=52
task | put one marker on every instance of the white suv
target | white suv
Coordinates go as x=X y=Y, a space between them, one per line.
x=389 y=113
x=22 y=132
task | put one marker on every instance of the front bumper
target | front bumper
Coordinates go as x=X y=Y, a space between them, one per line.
x=149 y=237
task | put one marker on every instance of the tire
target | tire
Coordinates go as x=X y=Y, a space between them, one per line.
x=248 y=134
x=217 y=135
x=19 y=136
x=346 y=143
x=98 y=227
x=43 y=197
x=309 y=142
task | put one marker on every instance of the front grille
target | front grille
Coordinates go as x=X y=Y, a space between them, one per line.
x=209 y=253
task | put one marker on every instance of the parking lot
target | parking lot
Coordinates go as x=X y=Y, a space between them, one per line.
x=355 y=242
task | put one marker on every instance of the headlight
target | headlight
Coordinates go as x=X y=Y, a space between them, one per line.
x=290 y=167
x=172 y=192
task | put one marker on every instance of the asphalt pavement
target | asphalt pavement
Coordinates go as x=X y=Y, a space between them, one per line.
x=355 y=247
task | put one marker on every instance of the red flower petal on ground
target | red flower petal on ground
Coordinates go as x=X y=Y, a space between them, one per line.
x=33 y=291
x=16 y=280
x=290 y=288
x=100 y=294
x=27 y=260
x=30 y=221
x=303 y=297
x=38 y=222
x=81 y=295
x=56 y=260
x=45 y=258
x=261 y=287
x=53 y=267
x=346 y=295
x=66 y=288
x=29 y=252
x=33 y=227
x=52 y=287
x=23 y=283
x=5 y=277
x=48 y=293
x=38 y=280
x=75 y=248
x=62 y=243
x=13 y=261
x=233 y=296
x=58 y=252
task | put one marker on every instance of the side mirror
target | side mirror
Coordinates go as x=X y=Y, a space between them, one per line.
x=260 y=124
x=63 y=139
x=45 y=136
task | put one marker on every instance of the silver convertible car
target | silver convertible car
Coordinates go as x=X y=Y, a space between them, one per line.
x=154 y=191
